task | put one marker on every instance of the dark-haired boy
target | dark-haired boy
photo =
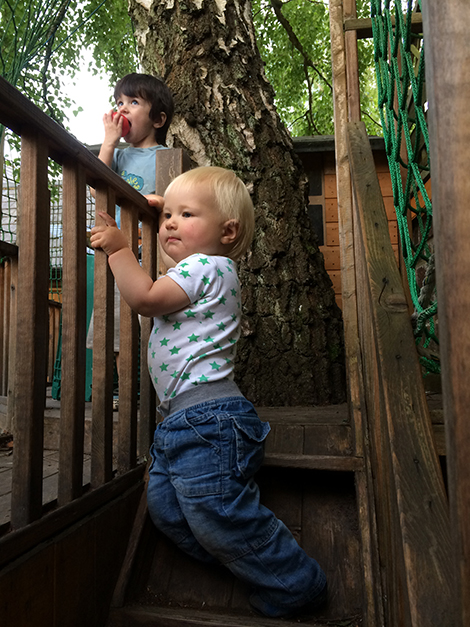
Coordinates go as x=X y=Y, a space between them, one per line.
x=148 y=105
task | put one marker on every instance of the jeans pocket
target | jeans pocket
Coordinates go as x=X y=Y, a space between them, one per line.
x=250 y=434
x=195 y=459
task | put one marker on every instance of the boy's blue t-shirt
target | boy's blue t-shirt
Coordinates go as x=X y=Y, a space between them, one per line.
x=137 y=167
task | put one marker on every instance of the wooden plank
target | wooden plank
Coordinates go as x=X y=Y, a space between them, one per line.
x=147 y=419
x=33 y=276
x=29 y=581
x=5 y=322
x=419 y=584
x=333 y=234
x=328 y=440
x=74 y=584
x=11 y=400
x=331 y=210
x=128 y=346
x=169 y=165
x=327 y=414
x=16 y=543
x=352 y=64
x=72 y=419
x=345 y=463
x=8 y=250
x=103 y=360
x=330 y=534
x=149 y=616
x=448 y=89
x=363 y=26
x=332 y=257
x=285 y=438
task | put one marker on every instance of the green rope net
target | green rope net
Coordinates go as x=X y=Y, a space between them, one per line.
x=399 y=63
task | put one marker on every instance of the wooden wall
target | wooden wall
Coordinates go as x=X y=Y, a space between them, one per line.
x=317 y=156
x=69 y=579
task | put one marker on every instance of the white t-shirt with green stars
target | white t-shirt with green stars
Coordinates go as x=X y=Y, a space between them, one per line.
x=197 y=344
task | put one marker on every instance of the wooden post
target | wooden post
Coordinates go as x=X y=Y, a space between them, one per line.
x=447 y=48
x=372 y=606
x=352 y=65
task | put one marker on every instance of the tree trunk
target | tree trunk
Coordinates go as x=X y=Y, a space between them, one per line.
x=291 y=351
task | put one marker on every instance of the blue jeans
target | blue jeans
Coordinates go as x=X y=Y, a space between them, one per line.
x=202 y=495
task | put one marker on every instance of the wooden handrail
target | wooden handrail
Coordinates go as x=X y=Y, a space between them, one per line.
x=42 y=139
x=412 y=509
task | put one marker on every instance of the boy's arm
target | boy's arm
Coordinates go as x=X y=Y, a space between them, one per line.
x=145 y=296
x=112 y=135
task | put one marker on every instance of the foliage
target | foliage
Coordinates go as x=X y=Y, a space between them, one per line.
x=297 y=57
x=293 y=38
x=42 y=42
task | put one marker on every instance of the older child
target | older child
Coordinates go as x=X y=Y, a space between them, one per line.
x=201 y=492
x=147 y=104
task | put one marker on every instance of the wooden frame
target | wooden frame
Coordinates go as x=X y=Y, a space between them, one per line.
x=448 y=89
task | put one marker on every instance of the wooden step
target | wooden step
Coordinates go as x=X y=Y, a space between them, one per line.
x=149 y=616
x=318 y=438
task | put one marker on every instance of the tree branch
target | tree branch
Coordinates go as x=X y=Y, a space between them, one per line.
x=55 y=24
x=277 y=6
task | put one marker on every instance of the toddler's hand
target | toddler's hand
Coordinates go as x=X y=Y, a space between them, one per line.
x=154 y=200
x=107 y=236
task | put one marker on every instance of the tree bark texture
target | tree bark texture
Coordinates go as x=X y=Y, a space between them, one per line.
x=291 y=350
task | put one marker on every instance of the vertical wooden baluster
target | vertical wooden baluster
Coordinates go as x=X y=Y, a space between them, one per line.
x=127 y=439
x=103 y=355
x=33 y=276
x=72 y=419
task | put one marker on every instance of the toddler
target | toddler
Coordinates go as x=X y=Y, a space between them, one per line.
x=201 y=491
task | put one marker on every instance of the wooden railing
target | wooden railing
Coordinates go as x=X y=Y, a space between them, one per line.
x=407 y=487
x=42 y=139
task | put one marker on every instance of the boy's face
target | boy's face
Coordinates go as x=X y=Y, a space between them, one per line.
x=191 y=223
x=137 y=111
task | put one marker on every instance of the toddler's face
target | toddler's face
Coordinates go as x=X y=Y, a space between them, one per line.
x=191 y=222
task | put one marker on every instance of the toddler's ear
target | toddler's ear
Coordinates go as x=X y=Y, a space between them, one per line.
x=230 y=232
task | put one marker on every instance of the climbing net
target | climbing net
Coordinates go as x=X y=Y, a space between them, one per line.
x=399 y=63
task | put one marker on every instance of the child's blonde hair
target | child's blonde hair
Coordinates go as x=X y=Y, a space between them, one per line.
x=232 y=199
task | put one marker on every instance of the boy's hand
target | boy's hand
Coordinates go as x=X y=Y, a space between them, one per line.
x=107 y=236
x=112 y=128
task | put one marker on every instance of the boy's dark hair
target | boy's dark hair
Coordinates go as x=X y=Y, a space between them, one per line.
x=154 y=91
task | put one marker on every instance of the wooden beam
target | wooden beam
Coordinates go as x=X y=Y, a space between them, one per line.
x=448 y=89
x=410 y=489
x=373 y=611
x=363 y=26
x=352 y=64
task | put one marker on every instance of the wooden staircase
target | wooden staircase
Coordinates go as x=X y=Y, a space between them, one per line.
x=308 y=480
x=359 y=485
